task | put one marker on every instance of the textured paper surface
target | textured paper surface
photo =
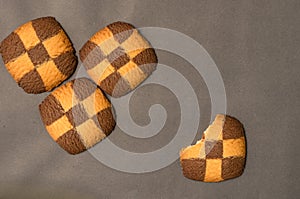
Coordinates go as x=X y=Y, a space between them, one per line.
x=256 y=48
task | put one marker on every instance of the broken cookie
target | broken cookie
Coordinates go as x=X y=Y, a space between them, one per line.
x=219 y=155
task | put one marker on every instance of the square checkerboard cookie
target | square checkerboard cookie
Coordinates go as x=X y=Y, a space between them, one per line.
x=118 y=58
x=39 y=55
x=219 y=155
x=77 y=115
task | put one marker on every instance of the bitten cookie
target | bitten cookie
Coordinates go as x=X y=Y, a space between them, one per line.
x=118 y=58
x=77 y=115
x=219 y=155
x=39 y=55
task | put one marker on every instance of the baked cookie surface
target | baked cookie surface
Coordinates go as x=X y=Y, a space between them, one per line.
x=39 y=55
x=219 y=155
x=118 y=58
x=77 y=115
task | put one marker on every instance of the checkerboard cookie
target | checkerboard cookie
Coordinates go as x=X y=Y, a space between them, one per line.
x=219 y=155
x=39 y=55
x=77 y=115
x=118 y=58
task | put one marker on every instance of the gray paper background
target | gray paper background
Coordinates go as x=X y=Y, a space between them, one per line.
x=255 y=45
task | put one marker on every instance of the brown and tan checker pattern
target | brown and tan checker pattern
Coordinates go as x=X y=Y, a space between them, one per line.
x=39 y=55
x=77 y=115
x=219 y=155
x=118 y=58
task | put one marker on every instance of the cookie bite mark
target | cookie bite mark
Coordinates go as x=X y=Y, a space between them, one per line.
x=222 y=148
